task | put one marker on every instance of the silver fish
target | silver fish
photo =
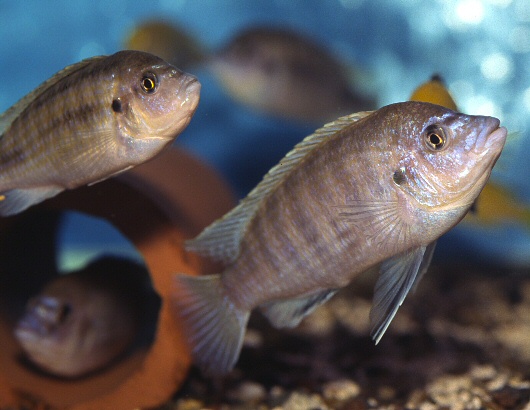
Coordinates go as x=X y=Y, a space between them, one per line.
x=372 y=188
x=90 y=121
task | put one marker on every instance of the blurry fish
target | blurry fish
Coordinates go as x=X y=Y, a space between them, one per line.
x=81 y=321
x=367 y=189
x=283 y=73
x=90 y=121
x=495 y=204
x=434 y=91
x=168 y=42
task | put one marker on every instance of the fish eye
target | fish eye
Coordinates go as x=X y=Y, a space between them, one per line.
x=435 y=137
x=64 y=312
x=149 y=83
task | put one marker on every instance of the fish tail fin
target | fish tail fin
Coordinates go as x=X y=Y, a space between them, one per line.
x=214 y=326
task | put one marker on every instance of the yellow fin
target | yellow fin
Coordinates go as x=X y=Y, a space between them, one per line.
x=8 y=116
x=221 y=239
x=434 y=91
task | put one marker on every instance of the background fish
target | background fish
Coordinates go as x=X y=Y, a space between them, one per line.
x=168 y=42
x=496 y=204
x=90 y=121
x=367 y=189
x=81 y=321
x=281 y=72
x=434 y=91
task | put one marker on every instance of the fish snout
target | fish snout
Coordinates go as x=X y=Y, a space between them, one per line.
x=488 y=135
x=44 y=314
x=191 y=87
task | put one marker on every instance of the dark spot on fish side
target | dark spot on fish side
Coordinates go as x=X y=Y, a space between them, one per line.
x=399 y=176
x=116 y=105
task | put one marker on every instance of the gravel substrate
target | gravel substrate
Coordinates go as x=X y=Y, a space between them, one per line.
x=461 y=341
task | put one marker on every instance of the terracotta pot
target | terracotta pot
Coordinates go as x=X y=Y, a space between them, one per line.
x=156 y=206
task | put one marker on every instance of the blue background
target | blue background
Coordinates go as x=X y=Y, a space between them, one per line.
x=481 y=48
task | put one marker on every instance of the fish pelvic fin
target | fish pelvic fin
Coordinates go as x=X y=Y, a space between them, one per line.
x=290 y=312
x=15 y=201
x=221 y=240
x=213 y=325
x=398 y=276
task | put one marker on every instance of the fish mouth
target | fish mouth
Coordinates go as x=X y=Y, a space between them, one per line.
x=489 y=136
x=42 y=318
x=492 y=141
x=192 y=88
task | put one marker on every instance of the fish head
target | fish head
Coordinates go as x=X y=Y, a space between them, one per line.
x=46 y=327
x=444 y=157
x=254 y=68
x=153 y=101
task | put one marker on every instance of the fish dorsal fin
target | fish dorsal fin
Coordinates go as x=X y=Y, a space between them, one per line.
x=221 y=240
x=8 y=116
x=398 y=276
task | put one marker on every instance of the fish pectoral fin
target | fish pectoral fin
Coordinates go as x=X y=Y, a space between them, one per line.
x=398 y=275
x=214 y=326
x=15 y=201
x=290 y=312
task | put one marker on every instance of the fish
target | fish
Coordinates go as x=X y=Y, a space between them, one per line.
x=496 y=204
x=82 y=321
x=434 y=91
x=167 y=41
x=284 y=73
x=90 y=121
x=371 y=189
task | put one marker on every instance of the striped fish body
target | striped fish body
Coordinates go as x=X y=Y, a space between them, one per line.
x=368 y=190
x=90 y=121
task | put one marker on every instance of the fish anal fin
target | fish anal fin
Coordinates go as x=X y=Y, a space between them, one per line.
x=17 y=200
x=221 y=240
x=290 y=312
x=397 y=276
x=213 y=326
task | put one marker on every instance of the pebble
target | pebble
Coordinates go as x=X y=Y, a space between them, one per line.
x=248 y=392
x=340 y=390
x=303 y=401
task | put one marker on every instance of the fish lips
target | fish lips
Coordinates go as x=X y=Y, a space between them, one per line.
x=45 y=314
x=491 y=136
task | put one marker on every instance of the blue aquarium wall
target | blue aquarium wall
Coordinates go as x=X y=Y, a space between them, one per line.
x=481 y=48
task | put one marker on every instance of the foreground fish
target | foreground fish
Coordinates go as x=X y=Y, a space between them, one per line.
x=495 y=204
x=283 y=73
x=367 y=189
x=90 y=121
x=80 y=322
x=168 y=42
